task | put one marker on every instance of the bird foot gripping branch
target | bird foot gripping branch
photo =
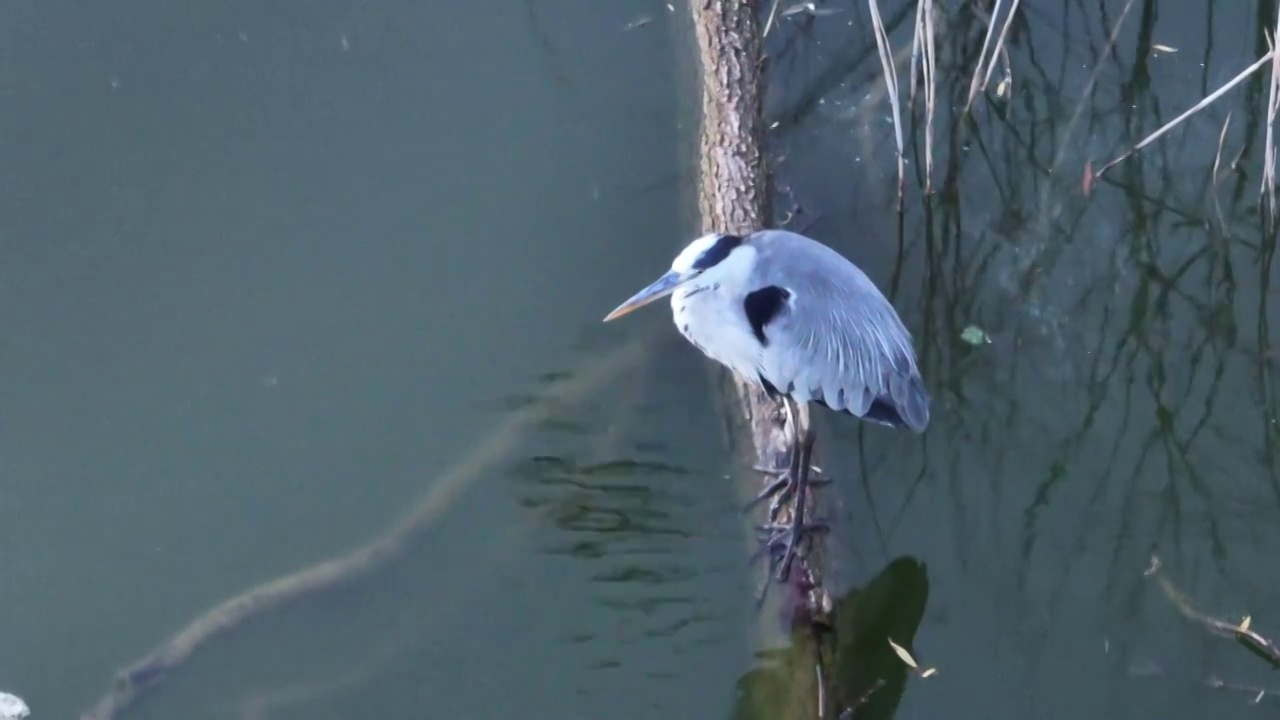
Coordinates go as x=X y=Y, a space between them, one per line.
x=783 y=488
x=781 y=541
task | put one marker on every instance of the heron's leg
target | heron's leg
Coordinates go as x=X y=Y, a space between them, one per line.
x=804 y=449
x=788 y=538
x=788 y=477
x=802 y=438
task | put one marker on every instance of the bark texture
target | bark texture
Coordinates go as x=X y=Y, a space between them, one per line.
x=733 y=196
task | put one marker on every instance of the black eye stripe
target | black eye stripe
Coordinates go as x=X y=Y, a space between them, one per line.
x=718 y=252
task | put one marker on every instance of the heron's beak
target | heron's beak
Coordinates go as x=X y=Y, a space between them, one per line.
x=661 y=287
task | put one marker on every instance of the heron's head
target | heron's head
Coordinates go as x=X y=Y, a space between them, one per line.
x=704 y=257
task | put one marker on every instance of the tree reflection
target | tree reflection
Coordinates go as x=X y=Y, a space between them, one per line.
x=1128 y=400
x=862 y=677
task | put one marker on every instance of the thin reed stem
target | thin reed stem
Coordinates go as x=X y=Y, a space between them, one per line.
x=891 y=85
x=1208 y=100
x=986 y=42
x=1217 y=161
x=923 y=50
x=1004 y=34
x=1268 y=188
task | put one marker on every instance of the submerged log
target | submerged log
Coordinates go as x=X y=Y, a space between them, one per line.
x=153 y=669
x=866 y=678
x=733 y=197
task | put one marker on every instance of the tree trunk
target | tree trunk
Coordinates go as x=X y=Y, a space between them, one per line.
x=733 y=197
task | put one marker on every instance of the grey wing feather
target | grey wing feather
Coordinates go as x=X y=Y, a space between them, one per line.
x=839 y=342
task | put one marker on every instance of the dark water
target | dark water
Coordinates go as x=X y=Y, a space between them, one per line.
x=271 y=273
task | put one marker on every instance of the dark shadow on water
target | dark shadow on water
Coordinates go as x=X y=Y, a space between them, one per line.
x=866 y=678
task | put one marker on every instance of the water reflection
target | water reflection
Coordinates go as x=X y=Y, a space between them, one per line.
x=862 y=676
x=600 y=504
x=639 y=513
x=1127 y=400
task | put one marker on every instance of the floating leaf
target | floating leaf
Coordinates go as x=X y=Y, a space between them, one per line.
x=974 y=335
x=1164 y=48
x=902 y=653
x=930 y=671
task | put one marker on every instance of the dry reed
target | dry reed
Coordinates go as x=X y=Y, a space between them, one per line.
x=922 y=47
x=1217 y=161
x=980 y=78
x=1268 y=188
x=891 y=85
x=1208 y=100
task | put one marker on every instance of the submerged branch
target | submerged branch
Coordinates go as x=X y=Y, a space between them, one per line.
x=153 y=669
x=1242 y=633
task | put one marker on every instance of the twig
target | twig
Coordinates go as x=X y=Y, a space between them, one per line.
x=1197 y=108
x=1098 y=64
x=917 y=40
x=1217 y=160
x=773 y=14
x=1256 y=692
x=891 y=85
x=1241 y=633
x=847 y=714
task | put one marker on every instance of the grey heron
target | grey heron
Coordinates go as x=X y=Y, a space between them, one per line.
x=796 y=319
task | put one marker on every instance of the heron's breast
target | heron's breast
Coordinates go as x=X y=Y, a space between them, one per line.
x=708 y=320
